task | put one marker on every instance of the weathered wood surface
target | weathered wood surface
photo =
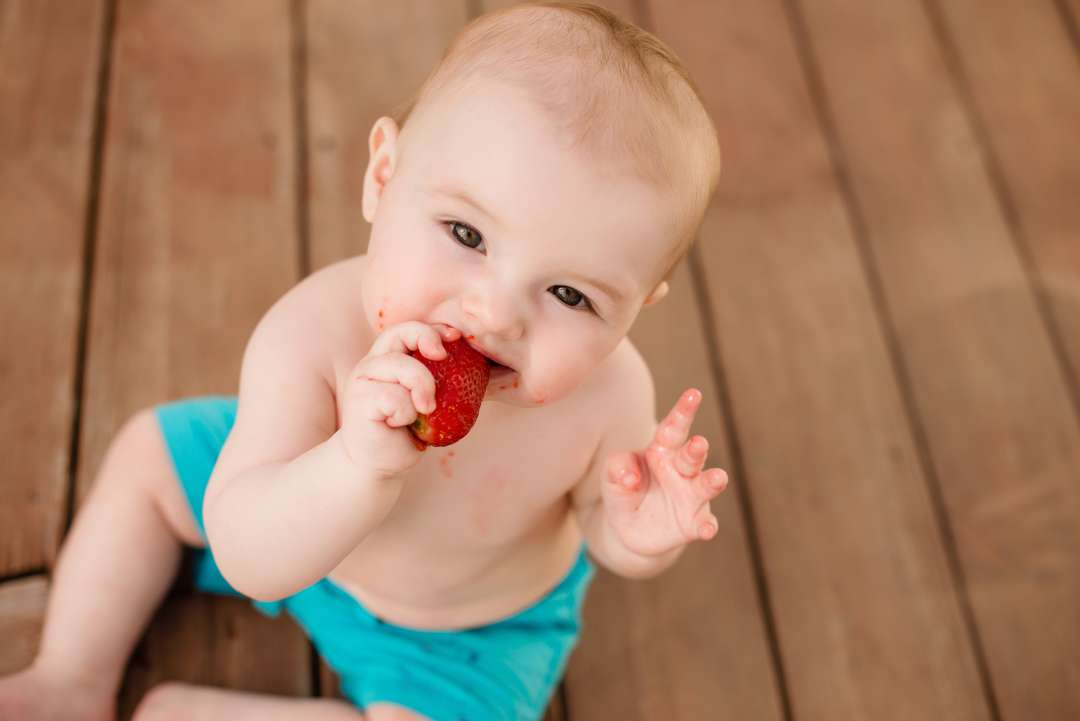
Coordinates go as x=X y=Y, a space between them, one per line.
x=50 y=57
x=197 y=236
x=882 y=313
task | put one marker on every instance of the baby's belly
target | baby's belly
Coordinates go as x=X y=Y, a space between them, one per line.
x=428 y=583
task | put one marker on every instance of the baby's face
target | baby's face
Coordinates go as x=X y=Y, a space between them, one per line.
x=487 y=222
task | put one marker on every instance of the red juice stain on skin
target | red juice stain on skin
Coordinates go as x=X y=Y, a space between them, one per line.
x=444 y=464
x=515 y=384
x=380 y=325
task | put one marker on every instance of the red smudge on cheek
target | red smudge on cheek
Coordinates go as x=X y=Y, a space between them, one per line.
x=380 y=324
x=515 y=384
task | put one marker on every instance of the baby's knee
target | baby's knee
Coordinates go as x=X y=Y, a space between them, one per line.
x=136 y=442
x=161 y=703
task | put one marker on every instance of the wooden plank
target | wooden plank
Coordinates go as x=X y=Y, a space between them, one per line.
x=22 y=614
x=1022 y=70
x=396 y=46
x=1020 y=541
x=50 y=56
x=856 y=566
x=219 y=642
x=197 y=238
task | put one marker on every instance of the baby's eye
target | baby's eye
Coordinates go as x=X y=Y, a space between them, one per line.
x=465 y=235
x=571 y=297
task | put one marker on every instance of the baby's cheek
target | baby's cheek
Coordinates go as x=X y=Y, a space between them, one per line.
x=556 y=380
x=392 y=298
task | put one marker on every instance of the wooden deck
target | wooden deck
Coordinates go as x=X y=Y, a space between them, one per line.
x=883 y=311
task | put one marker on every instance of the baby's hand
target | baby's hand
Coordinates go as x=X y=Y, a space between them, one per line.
x=385 y=392
x=658 y=499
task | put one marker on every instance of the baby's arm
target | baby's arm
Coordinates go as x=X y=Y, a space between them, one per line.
x=645 y=495
x=633 y=424
x=285 y=504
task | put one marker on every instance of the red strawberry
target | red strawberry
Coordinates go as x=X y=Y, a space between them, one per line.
x=460 y=383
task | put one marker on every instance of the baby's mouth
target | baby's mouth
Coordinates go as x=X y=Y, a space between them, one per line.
x=498 y=368
x=500 y=374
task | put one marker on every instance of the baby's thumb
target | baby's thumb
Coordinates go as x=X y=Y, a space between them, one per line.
x=625 y=483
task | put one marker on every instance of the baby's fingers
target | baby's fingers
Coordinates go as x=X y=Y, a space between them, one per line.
x=691 y=457
x=672 y=431
x=404 y=370
x=389 y=402
x=413 y=335
x=625 y=483
x=705 y=524
x=713 y=482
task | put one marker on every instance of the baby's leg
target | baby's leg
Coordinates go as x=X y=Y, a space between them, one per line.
x=184 y=702
x=114 y=568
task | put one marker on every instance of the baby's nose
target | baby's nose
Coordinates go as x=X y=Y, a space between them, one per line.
x=493 y=313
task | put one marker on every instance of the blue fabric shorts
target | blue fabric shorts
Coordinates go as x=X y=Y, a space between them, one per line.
x=504 y=670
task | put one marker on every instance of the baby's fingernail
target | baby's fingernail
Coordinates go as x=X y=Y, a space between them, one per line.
x=628 y=479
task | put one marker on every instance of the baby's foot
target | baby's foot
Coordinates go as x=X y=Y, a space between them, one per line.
x=38 y=695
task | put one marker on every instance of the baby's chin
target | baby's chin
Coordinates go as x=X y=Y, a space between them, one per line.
x=507 y=387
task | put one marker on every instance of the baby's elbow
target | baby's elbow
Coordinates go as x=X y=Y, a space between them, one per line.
x=228 y=556
x=247 y=579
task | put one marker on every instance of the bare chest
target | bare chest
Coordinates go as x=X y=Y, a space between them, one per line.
x=508 y=479
x=480 y=527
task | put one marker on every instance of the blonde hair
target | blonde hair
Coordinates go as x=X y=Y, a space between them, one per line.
x=616 y=89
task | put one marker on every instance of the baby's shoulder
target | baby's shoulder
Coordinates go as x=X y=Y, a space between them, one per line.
x=622 y=385
x=322 y=315
x=331 y=293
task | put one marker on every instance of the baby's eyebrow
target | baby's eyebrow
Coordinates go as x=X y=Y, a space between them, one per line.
x=612 y=292
x=462 y=196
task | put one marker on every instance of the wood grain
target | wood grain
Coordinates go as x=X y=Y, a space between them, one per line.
x=197 y=238
x=364 y=59
x=855 y=563
x=22 y=613
x=1014 y=494
x=50 y=55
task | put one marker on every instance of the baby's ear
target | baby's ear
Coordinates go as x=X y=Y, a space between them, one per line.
x=382 y=151
x=658 y=293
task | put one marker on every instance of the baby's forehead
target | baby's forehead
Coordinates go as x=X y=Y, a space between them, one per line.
x=490 y=135
x=614 y=98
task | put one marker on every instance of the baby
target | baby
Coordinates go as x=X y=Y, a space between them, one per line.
x=545 y=180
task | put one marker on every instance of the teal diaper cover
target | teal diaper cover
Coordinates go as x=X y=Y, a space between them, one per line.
x=505 y=670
